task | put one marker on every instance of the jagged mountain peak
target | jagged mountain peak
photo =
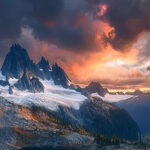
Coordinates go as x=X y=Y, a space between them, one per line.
x=95 y=84
x=18 y=51
x=16 y=61
x=44 y=63
x=59 y=76
x=95 y=87
x=16 y=47
x=44 y=68
x=68 y=104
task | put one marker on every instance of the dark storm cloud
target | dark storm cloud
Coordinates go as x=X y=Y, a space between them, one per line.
x=68 y=23
x=49 y=9
x=11 y=16
x=129 y=18
x=62 y=22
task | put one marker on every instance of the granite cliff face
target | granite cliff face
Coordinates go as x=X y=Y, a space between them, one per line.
x=38 y=100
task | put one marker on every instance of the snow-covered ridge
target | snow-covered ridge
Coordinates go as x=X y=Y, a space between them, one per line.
x=52 y=97
x=112 y=98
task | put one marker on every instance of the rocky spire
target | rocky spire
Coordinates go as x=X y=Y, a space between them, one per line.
x=44 y=64
x=45 y=68
x=59 y=76
x=16 y=61
x=95 y=87
x=29 y=82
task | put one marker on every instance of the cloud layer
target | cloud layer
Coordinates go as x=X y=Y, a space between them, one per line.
x=69 y=23
x=80 y=33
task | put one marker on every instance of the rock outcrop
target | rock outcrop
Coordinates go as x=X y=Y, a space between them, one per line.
x=59 y=76
x=95 y=87
x=29 y=82
x=45 y=68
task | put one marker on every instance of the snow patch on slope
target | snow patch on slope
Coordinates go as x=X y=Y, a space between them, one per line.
x=12 y=81
x=52 y=98
x=112 y=98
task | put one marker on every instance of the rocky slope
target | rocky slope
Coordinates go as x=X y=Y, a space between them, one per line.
x=100 y=117
x=22 y=126
x=35 y=128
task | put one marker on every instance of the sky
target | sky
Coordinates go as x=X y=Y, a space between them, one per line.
x=93 y=40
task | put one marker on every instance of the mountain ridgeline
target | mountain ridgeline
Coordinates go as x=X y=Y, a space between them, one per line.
x=18 y=63
x=93 y=114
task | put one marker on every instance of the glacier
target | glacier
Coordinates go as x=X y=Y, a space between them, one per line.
x=52 y=97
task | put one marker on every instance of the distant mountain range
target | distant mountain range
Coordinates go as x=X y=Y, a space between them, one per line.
x=39 y=102
x=139 y=108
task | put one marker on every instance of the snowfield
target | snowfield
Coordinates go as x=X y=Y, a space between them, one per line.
x=112 y=98
x=52 y=97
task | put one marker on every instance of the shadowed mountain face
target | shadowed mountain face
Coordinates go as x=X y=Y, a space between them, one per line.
x=39 y=102
x=59 y=76
x=139 y=108
x=45 y=68
x=98 y=116
x=29 y=82
x=17 y=60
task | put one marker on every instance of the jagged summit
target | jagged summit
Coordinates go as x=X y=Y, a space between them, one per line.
x=96 y=87
x=59 y=76
x=44 y=64
x=45 y=68
x=17 y=47
x=28 y=85
x=16 y=61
